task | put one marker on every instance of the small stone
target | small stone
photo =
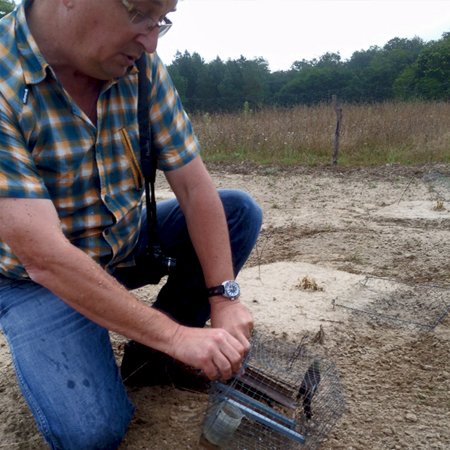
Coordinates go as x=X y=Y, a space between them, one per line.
x=410 y=417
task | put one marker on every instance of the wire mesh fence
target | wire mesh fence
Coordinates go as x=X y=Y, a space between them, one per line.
x=286 y=397
x=439 y=183
x=382 y=300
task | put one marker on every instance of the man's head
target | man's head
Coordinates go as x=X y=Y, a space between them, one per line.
x=99 y=38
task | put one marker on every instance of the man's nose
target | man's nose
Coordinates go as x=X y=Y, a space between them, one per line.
x=149 y=40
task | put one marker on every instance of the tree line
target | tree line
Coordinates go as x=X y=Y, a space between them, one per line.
x=403 y=69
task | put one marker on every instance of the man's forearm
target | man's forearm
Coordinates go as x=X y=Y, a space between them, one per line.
x=210 y=237
x=205 y=219
x=84 y=285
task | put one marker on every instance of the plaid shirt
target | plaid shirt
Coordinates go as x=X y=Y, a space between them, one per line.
x=49 y=149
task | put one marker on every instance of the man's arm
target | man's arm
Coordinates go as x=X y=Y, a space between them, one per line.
x=32 y=229
x=208 y=231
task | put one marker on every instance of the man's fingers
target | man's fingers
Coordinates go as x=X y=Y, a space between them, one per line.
x=224 y=367
x=236 y=356
x=218 y=368
x=245 y=342
x=226 y=360
x=216 y=352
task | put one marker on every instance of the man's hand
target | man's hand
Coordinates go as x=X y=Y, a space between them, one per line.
x=234 y=317
x=215 y=351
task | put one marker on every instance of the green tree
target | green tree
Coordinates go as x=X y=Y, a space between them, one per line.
x=303 y=64
x=315 y=84
x=389 y=63
x=315 y=81
x=186 y=70
x=231 y=86
x=277 y=80
x=244 y=81
x=208 y=86
x=429 y=77
x=359 y=67
x=255 y=75
x=330 y=60
x=6 y=6
x=403 y=68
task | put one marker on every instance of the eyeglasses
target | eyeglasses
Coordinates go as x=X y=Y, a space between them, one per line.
x=144 y=21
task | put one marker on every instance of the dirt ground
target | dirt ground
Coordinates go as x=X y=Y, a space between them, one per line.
x=362 y=237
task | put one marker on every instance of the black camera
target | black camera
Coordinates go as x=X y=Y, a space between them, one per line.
x=156 y=264
x=150 y=267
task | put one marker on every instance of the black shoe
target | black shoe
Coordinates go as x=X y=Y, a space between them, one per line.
x=144 y=366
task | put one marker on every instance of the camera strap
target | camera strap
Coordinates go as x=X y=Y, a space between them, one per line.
x=148 y=158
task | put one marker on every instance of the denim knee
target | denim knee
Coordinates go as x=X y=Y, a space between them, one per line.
x=237 y=201
x=105 y=433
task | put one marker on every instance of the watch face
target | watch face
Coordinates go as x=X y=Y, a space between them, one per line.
x=232 y=289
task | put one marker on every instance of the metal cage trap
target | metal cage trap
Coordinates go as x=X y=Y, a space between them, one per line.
x=284 y=398
x=415 y=306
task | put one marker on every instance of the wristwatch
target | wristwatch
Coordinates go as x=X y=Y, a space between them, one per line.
x=229 y=289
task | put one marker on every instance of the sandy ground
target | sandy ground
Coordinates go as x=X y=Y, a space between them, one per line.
x=376 y=244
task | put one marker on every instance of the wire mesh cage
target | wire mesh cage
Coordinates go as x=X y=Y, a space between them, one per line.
x=439 y=183
x=284 y=398
x=414 y=306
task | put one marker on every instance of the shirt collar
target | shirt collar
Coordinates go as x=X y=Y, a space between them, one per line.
x=34 y=65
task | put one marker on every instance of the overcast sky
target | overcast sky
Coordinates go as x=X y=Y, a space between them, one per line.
x=284 y=31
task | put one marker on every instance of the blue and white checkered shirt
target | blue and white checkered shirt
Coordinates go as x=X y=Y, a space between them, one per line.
x=49 y=149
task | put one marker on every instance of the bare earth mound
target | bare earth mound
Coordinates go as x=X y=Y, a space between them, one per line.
x=362 y=254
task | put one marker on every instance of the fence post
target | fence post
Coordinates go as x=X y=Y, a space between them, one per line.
x=338 y=110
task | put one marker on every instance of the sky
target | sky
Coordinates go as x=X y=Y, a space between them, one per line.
x=284 y=31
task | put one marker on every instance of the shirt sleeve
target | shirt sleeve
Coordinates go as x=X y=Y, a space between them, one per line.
x=19 y=177
x=173 y=134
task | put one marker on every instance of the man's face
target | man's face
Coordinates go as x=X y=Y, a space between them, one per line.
x=105 y=40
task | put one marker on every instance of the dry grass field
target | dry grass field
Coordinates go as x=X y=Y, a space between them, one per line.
x=371 y=135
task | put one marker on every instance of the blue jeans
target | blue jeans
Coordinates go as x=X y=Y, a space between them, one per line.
x=64 y=363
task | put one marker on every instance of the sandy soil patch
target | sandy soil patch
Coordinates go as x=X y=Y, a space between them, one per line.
x=342 y=229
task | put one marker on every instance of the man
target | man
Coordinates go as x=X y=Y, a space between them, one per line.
x=71 y=215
